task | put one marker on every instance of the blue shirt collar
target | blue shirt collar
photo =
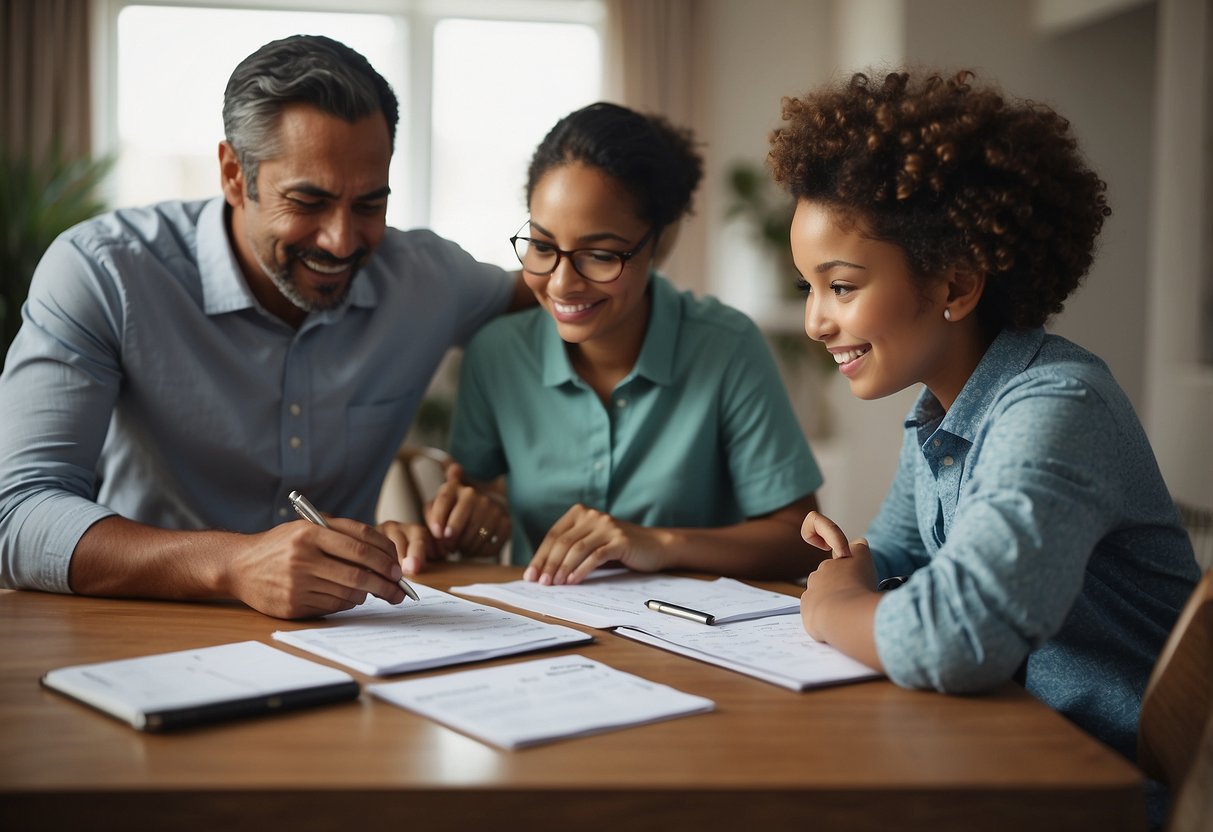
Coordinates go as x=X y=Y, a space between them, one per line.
x=656 y=359
x=1010 y=354
x=224 y=288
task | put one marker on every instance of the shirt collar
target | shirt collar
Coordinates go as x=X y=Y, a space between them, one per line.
x=656 y=359
x=1010 y=354
x=224 y=288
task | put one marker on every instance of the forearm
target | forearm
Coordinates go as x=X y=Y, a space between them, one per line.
x=118 y=557
x=765 y=548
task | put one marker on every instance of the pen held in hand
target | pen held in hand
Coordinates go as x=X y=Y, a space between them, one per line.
x=681 y=612
x=303 y=506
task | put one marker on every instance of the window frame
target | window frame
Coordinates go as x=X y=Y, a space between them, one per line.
x=420 y=16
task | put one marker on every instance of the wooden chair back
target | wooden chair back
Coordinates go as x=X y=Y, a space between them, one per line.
x=411 y=481
x=1176 y=725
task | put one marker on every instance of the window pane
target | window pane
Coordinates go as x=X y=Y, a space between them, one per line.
x=173 y=64
x=498 y=88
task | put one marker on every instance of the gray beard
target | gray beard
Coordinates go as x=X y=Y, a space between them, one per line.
x=282 y=281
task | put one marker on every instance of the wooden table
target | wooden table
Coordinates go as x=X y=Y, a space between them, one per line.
x=867 y=756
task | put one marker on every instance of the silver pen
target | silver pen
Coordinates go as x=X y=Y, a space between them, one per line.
x=681 y=612
x=307 y=511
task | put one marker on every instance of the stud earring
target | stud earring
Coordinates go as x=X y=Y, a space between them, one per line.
x=947 y=314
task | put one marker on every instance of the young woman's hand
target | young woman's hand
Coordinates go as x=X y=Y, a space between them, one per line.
x=584 y=539
x=833 y=585
x=463 y=518
x=414 y=545
x=822 y=532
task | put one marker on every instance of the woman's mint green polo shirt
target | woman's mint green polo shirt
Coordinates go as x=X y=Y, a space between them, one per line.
x=699 y=434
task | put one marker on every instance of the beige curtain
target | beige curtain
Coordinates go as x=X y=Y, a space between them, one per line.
x=44 y=75
x=654 y=62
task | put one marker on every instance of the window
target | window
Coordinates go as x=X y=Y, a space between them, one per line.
x=477 y=90
x=489 y=115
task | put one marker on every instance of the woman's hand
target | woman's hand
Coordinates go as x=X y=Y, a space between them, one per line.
x=834 y=585
x=584 y=539
x=414 y=546
x=465 y=519
x=822 y=532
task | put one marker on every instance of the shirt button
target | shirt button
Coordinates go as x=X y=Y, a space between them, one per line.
x=282 y=512
x=599 y=465
x=935 y=443
x=621 y=402
x=947 y=461
x=296 y=441
x=296 y=409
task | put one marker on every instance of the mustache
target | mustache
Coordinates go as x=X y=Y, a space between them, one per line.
x=319 y=255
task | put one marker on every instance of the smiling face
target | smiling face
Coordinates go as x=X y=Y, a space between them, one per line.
x=320 y=210
x=885 y=328
x=575 y=207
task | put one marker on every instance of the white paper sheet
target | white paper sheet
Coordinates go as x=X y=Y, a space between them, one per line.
x=378 y=638
x=776 y=650
x=526 y=703
x=617 y=599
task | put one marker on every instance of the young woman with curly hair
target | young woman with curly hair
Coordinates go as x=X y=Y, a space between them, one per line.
x=939 y=223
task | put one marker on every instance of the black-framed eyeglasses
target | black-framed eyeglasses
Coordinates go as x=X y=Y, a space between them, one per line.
x=597 y=265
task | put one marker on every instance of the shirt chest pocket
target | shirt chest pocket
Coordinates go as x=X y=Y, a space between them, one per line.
x=373 y=433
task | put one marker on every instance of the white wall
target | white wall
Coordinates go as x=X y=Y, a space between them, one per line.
x=1094 y=61
x=1179 y=389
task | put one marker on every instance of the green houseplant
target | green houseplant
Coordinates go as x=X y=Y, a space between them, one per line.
x=756 y=200
x=40 y=197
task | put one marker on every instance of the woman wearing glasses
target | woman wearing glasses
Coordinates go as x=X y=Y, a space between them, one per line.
x=632 y=422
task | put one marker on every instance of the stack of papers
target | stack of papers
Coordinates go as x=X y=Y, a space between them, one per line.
x=526 y=703
x=378 y=638
x=755 y=631
x=776 y=650
x=616 y=598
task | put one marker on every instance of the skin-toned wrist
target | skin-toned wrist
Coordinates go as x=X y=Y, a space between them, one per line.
x=830 y=613
x=845 y=619
x=670 y=548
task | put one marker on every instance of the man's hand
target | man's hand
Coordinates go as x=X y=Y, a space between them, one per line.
x=300 y=570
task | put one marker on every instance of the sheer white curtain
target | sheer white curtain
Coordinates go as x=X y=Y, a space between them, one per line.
x=655 y=56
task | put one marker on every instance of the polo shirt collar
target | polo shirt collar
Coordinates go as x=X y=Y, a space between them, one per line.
x=656 y=359
x=224 y=288
x=1010 y=354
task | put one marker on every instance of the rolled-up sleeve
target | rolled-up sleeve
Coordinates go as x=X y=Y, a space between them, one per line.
x=60 y=382
x=1040 y=491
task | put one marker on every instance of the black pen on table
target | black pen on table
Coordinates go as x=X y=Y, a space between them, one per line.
x=680 y=612
x=308 y=511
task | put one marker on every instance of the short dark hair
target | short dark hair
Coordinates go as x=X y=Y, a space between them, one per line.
x=654 y=161
x=953 y=172
x=311 y=69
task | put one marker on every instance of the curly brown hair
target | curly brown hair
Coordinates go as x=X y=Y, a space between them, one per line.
x=953 y=173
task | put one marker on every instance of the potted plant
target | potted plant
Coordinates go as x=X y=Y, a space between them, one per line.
x=755 y=200
x=40 y=197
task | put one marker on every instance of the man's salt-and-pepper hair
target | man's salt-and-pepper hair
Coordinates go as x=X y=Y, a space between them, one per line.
x=308 y=69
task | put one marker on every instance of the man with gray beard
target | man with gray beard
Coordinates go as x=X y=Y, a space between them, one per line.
x=182 y=368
